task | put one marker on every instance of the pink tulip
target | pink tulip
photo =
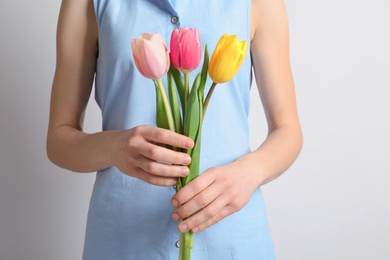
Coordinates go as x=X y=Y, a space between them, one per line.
x=151 y=55
x=185 y=49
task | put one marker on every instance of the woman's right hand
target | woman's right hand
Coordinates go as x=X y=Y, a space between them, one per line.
x=142 y=153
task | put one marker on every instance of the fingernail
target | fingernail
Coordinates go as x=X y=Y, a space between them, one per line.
x=189 y=143
x=183 y=227
x=185 y=171
x=175 y=216
x=186 y=160
x=174 y=202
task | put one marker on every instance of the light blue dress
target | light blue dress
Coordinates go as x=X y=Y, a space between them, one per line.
x=128 y=218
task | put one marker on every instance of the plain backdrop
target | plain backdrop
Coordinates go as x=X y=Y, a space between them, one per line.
x=333 y=203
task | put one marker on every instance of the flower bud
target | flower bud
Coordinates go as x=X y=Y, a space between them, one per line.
x=185 y=50
x=150 y=55
x=227 y=58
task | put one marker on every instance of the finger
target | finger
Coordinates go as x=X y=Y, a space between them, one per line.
x=164 y=136
x=211 y=214
x=197 y=203
x=162 y=169
x=226 y=211
x=162 y=154
x=155 y=179
x=192 y=189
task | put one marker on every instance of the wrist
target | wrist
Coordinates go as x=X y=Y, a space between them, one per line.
x=251 y=172
x=109 y=147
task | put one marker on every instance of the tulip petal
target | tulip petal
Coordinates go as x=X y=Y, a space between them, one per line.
x=175 y=49
x=150 y=55
x=185 y=49
x=227 y=58
x=154 y=59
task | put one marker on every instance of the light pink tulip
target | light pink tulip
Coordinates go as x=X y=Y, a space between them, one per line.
x=185 y=49
x=151 y=55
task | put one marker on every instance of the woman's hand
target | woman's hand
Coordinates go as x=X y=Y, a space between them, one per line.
x=142 y=154
x=214 y=195
x=137 y=152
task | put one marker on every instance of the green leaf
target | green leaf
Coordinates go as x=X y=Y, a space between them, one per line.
x=192 y=129
x=174 y=103
x=195 y=153
x=161 y=116
x=195 y=160
x=192 y=110
x=204 y=72
x=179 y=84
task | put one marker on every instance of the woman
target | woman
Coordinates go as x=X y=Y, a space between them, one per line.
x=134 y=209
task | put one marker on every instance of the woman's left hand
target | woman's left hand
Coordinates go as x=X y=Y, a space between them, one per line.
x=214 y=195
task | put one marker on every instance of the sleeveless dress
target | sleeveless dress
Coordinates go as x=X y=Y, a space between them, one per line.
x=128 y=218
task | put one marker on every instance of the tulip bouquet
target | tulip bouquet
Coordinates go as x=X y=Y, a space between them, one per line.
x=185 y=109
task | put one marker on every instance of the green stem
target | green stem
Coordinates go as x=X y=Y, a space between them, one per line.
x=186 y=88
x=186 y=243
x=166 y=106
x=207 y=100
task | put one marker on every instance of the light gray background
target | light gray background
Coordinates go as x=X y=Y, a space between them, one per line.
x=334 y=203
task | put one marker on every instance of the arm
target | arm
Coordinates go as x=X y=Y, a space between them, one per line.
x=221 y=191
x=133 y=151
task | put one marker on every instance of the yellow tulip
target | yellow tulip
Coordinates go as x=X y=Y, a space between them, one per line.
x=227 y=58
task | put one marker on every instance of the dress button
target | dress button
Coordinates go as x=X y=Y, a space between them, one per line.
x=177 y=244
x=174 y=19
